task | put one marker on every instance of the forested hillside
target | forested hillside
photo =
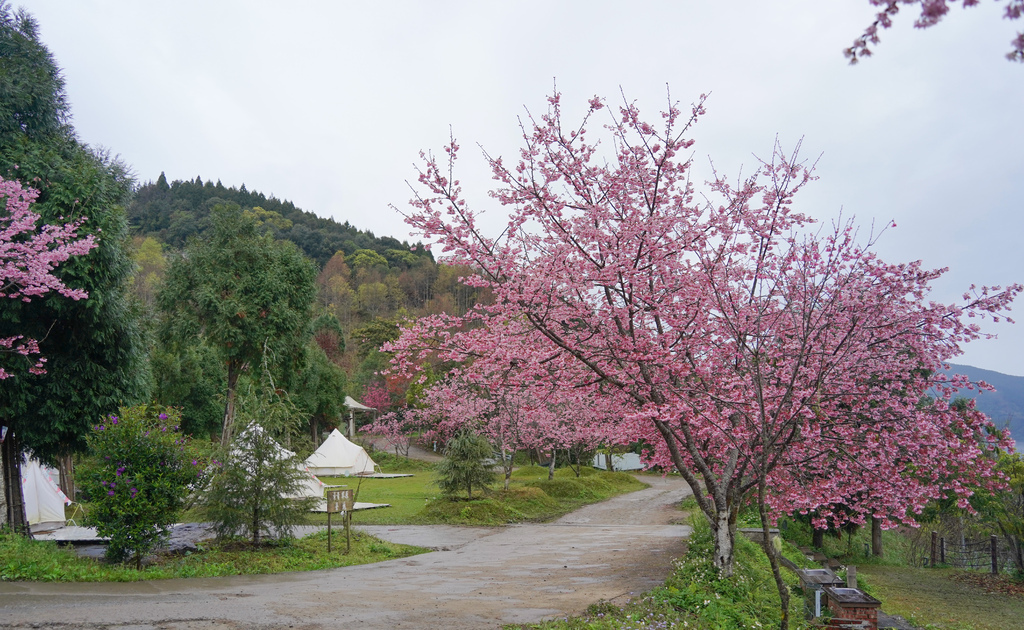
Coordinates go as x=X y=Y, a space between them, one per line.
x=366 y=285
x=173 y=212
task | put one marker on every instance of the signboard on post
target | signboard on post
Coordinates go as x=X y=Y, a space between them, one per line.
x=334 y=502
x=340 y=500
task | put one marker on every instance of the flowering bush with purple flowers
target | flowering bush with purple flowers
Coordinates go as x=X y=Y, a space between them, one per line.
x=145 y=468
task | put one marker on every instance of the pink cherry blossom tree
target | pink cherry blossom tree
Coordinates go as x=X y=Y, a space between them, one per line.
x=28 y=256
x=761 y=357
x=932 y=12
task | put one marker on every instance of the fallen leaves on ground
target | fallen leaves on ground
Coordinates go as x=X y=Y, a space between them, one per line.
x=992 y=583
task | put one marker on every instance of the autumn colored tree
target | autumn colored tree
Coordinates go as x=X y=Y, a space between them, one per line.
x=755 y=355
x=932 y=12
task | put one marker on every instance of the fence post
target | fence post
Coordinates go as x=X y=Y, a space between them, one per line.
x=942 y=550
x=995 y=557
x=935 y=550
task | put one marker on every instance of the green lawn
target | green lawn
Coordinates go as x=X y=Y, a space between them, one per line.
x=44 y=561
x=932 y=596
x=531 y=497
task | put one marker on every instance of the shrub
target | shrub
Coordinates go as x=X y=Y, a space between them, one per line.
x=256 y=490
x=564 y=489
x=142 y=476
x=464 y=464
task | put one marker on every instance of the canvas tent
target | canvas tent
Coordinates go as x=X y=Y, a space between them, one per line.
x=310 y=487
x=44 y=500
x=337 y=457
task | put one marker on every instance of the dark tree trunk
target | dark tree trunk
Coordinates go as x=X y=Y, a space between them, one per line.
x=818 y=538
x=67 y=476
x=876 y=536
x=12 y=484
x=229 y=406
x=773 y=556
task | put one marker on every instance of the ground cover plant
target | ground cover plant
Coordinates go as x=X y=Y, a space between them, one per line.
x=927 y=597
x=44 y=561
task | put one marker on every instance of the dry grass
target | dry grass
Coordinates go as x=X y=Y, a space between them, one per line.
x=932 y=598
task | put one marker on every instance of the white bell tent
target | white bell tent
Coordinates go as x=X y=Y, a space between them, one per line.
x=337 y=457
x=44 y=500
x=310 y=486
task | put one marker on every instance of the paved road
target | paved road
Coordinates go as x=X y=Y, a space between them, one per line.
x=478 y=578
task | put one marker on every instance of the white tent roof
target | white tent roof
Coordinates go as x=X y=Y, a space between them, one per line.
x=311 y=486
x=44 y=500
x=339 y=457
x=352 y=403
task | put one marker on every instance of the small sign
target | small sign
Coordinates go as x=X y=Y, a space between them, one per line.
x=339 y=501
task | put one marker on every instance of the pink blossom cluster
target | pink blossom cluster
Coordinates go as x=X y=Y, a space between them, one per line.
x=932 y=12
x=755 y=354
x=28 y=256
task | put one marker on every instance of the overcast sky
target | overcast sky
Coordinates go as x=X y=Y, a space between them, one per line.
x=328 y=104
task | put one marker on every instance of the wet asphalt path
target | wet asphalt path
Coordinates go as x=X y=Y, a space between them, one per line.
x=478 y=578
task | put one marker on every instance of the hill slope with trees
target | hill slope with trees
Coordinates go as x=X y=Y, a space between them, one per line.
x=1005 y=405
x=173 y=212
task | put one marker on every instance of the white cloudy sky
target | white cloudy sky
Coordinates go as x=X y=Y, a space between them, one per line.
x=327 y=104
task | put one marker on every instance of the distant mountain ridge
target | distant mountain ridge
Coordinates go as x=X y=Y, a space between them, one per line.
x=1005 y=406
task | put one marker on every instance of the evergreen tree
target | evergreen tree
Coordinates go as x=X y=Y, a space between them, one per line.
x=242 y=293
x=94 y=348
x=465 y=464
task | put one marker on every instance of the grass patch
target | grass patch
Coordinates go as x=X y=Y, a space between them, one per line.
x=391 y=463
x=933 y=598
x=45 y=561
x=903 y=546
x=695 y=597
x=416 y=500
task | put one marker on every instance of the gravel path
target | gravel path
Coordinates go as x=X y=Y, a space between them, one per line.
x=478 y=578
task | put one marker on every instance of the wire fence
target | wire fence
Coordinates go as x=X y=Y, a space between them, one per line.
x=974 y=555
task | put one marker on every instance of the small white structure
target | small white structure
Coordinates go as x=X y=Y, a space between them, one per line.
x=44 y=500
x=337 y=457
x=625 y=461
x=354 y=405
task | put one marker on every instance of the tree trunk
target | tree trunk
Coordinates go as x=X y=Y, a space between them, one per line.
x=551 y=466
x=4 y=493
x=256 y=527
x=315 y=426
x=13 y=493
x=229 y=407
x=876 y=537
x=725 y=535
x=817 y=538
x=773 y=556
x=66 y=465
